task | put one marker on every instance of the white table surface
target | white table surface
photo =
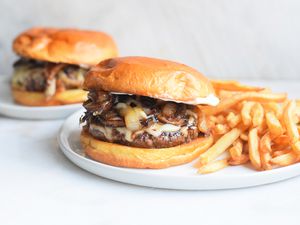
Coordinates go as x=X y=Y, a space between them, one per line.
x=39 y=185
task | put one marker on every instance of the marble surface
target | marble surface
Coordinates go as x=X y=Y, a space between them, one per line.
x=222 y=38
x=39 y=185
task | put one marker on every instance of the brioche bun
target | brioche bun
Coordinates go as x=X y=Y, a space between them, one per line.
x=70 y=46
x=132 y=157
x=31 y=98
x=150 y=77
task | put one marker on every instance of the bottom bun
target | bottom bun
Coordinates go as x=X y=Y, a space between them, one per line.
x=31 y=98
x=132 y=157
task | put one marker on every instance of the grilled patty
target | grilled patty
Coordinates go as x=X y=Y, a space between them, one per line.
x=32 y=75
x=139 y=121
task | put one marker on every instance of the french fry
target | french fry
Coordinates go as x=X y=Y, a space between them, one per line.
x=274 y=125
x=242 y=159
x=265 y=151
x=291 y=127
x=202 y=123
x=244 y=136
x=285 y=159
x=253 y=142
x=273 y=107
x=236 y=150
x=213 y=166
x=231 y=85
x=296 y=146
x=220 y=129
x=251 y=124
x=222 y=94
x=220 y=146
x=220 y=119
x=281 y=140
x=257 y=113
x=233 y=119
x=246 y=110
x=235 y=99
x=280 y=152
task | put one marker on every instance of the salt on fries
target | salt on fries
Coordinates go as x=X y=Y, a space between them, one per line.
x=251 y=124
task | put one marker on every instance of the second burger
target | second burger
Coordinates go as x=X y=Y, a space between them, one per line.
x=53 y=62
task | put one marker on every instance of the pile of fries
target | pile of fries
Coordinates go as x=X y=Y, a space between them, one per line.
x=250 y=124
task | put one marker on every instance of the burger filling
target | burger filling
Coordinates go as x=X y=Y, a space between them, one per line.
x=46 y=77
x=139 y=121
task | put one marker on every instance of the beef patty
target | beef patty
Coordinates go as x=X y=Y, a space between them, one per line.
x=139 y=121
x=33 y=75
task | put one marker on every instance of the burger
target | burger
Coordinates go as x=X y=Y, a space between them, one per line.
x=142 y=113
x=53 y=62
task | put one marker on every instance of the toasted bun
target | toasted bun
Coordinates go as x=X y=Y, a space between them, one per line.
x=65 y=45
x=125 y=156
x=150 y=77
x=31 y=98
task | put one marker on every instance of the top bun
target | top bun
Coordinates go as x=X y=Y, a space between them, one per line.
x=65 y=46
x=156 y=78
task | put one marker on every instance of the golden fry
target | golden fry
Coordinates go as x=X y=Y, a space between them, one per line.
x=246 y=110
x=213 y=166
x=273 y=107
x=265 y=151
x=220 y=129
x=220 y=146
x=253 y=142
x=233 y=119
x=274 y=125
x=244 y=136
x=291 y=127
x=231 y=85
x=250 y=96
x=239 y=161
x=236 y=150
x=285 y=159
x=257 y=113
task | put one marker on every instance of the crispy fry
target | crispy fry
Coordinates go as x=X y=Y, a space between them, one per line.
x=280 y=152
x=213 y=166
x=257 y=113
x=242 y=159
x=220 y=129
x=274 y=125
x=244 y=136
x=253 y=141
x=265 y=151
x=281 y=140
x=285 y=159
x=251 y=124
x=202 y=123
x=291 y=127
x=273 y=107
x=250 y=96
x=220 y=146
x=296 y=146
x=233 y=119
x=220 y=119
x=225 y=94
x=231 y=85
x=236 y=150
x=246 y=110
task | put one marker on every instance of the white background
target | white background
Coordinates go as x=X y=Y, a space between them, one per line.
x=222 y=38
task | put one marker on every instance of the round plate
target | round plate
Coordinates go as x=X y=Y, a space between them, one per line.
x=179 y=177
x=9 y=108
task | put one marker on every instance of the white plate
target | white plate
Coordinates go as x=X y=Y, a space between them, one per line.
x=9 y=108
x=178 y=177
